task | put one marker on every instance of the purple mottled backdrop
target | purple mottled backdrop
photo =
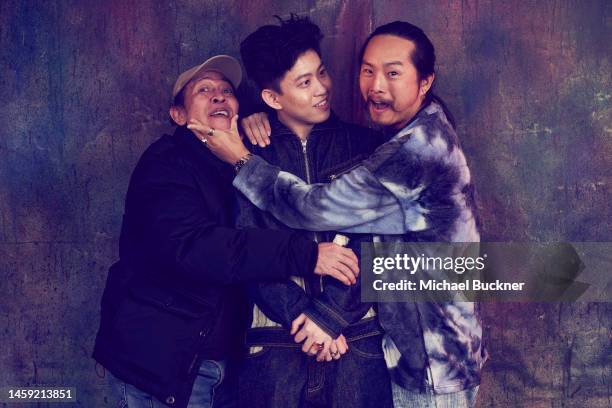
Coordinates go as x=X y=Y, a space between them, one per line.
x=85 y=89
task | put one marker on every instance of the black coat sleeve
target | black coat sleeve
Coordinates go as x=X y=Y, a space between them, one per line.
x=181 y=227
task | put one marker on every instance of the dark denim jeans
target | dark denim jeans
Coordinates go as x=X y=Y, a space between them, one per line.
x=282 y=376
x=213 y=388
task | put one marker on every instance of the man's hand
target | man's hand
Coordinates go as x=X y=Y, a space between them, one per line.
x=338 y=262
x=257 y=128
x=338 y=348
x=225 y=144
x=316 y=341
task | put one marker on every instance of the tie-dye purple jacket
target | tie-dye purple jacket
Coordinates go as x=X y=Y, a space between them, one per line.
x=415 y=187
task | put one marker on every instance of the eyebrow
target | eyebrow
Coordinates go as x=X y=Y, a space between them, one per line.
x=308 y=74
x=386 y=64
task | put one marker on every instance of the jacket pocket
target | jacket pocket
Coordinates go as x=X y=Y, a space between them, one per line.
x=337 y=171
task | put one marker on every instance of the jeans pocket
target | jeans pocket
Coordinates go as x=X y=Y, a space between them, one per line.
x=256 y=351
x=367 y=346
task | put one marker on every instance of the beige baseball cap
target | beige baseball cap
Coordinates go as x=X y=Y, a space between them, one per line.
x=228 y=66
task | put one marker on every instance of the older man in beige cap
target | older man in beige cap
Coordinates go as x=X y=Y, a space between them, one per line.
x=173 y=312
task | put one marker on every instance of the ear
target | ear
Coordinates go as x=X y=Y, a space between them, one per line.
x=427 y=83
x=270 y=97
x=178 y=115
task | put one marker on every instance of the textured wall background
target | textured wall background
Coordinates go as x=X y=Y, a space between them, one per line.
x=85 y=89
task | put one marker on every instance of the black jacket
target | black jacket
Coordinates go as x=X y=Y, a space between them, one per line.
x=175 y=289
x=332 y=148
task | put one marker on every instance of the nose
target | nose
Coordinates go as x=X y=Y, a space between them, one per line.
x=377 y=84
x=218 y=96
x=321 y=88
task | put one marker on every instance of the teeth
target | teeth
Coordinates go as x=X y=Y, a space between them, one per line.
x=322 y=103
x=220 y=113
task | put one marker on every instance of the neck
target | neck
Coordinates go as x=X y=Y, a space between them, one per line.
x=301 y=129
x=401 y=125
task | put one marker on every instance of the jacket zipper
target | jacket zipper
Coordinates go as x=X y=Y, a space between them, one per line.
x=305 y=152
x=308 y=180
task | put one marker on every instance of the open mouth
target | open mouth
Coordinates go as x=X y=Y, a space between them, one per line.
x=324 y=104
x=224 y=113
x=379 y=106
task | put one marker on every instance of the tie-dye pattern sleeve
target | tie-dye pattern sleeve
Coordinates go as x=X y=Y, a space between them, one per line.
x=417 y=182
x=355 y=202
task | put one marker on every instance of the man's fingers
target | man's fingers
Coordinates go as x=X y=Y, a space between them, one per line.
x=308 y=345
x=260 y=134
x=342 y=345
x=324 y=352
x=334 y=351
x=346 y=271
x=234 y=124
x=350 y=259
x=193 y=126
x=352 y=267
x=336 y=274
x=297 y=322
x=347 y=252
x=300 y=336
x=199 y=124
x=267 y=126
x=263 y=126
x=248 y=131
x=257 y=129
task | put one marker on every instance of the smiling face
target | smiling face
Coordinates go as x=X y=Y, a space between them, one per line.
x=208 y=98
x=389 y=81
x=305 y=94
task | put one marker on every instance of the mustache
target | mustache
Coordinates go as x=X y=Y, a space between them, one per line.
x=369 y=100
x=379 y=100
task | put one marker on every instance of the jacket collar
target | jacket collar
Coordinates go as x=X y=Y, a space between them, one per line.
x=431 y=108
x=279 y=129
x=190 y=143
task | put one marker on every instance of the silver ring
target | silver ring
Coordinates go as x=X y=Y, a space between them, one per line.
x=210 y=132
x=205 y=141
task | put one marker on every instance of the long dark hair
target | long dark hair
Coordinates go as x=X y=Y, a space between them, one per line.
x=423 y=57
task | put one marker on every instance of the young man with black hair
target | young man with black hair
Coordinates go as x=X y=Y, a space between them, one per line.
x=311 y=142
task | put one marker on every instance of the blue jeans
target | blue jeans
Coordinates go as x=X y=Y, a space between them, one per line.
x=282 y=376
x=403 y=398
x=211 y=390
